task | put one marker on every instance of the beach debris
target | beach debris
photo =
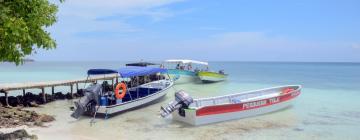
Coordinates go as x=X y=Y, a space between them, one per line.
x=16 y=116
x=33 y=104
x=79 y=93
x=69 y=96
x=17 y=134
x=298 y=129
x=59 y=96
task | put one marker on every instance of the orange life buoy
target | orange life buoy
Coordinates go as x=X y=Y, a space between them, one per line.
x=117 y=89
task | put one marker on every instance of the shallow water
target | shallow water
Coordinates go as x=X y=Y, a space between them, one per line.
x=328 y=107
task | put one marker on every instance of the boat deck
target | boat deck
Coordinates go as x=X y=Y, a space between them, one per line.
x=238 y=97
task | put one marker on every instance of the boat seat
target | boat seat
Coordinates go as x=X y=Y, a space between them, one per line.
x=261 y=96
x=142 y=93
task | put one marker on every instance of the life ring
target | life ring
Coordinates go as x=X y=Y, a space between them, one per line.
x=117 y=89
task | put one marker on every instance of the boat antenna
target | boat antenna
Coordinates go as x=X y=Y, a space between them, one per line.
x=171 y=81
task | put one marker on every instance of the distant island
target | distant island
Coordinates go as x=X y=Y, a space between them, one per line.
x=24 y=60
x=28 y=60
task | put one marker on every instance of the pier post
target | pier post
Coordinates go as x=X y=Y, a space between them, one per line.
x=71 y=89
x=6 y=97
x=52 y=90
x=23 y=92
x=117 y=79
x=43 y=92
x=77 y=87
x=112 y=82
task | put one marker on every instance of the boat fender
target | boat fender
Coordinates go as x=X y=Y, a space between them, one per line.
x=117 y=90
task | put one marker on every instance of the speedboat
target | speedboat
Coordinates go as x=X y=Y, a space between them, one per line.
x=182 y=70
x=210 y=76
x=229 y=107
x=139 y=86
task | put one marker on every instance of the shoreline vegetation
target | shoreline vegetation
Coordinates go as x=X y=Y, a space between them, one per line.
x=17 y=115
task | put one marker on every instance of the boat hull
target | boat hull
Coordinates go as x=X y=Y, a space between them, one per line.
x=109 y=110
x=209 y=77
x=225 y=112
x=182 y=76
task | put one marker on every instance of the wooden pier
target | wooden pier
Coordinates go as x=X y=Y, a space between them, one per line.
x=5 y=88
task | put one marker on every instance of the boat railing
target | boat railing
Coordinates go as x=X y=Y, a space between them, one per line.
x=236 y=98
x=156 y=84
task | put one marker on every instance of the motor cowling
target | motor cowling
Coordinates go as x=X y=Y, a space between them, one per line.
x=182 y=100
x=90 y=99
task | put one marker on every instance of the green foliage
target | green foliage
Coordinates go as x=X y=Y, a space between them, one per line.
x=22 y=28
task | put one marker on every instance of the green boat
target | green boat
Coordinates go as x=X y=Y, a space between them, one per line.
x=210 y=77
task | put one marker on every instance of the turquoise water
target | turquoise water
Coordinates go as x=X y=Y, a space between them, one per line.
x=328 y=107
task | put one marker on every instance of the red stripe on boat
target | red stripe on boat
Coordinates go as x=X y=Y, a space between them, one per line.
x=220 y=109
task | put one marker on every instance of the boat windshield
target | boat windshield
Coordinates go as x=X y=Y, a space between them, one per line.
x=190 y=65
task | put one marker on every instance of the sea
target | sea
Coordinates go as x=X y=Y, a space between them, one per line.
x=327 y=109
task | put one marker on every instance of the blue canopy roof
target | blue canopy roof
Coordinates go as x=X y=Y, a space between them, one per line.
x=138 y=71
x=101 y=71
x=126 y=72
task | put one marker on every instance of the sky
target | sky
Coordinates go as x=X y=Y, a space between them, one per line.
x=207 y=30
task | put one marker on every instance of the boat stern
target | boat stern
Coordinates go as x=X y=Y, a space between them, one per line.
x=188 y=116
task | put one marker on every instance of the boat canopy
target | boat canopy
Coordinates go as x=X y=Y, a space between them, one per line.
x=129 y=71
x=101 y=71
x=138 y=71
x=141 y=64
x=185 y=61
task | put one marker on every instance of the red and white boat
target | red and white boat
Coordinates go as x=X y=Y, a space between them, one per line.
x=229 y=107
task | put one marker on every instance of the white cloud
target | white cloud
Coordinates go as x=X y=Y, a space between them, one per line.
x=78 y=19
x=226 y=46
x=99 y=8
x=355 y=46
x=81 y=17
x=263 y=46
x=242 y=39
x=123 y=4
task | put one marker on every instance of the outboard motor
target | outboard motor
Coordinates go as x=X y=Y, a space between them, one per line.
x=90 y=99
x=182 y=100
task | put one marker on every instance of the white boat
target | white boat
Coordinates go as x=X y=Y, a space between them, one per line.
x=230 y=107
x=183 y=70
x=153 y=91
x=101 y=99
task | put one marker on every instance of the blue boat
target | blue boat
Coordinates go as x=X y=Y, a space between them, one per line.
x=140 y=86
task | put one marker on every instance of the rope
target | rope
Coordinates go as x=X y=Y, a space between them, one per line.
x=92 y=121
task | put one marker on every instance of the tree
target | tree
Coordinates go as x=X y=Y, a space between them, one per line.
x=22 y=28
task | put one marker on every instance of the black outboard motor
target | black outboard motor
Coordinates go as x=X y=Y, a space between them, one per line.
x=182 y=100
x=91 y=98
